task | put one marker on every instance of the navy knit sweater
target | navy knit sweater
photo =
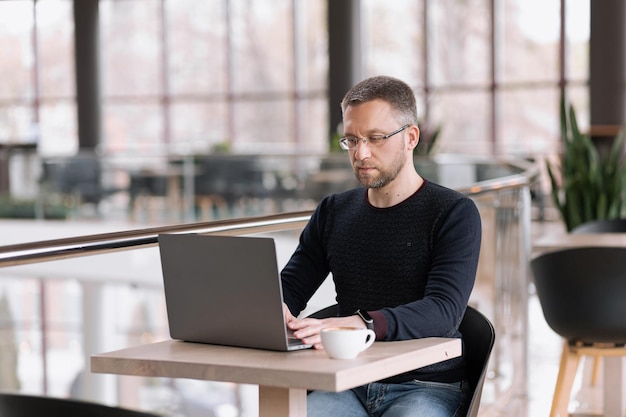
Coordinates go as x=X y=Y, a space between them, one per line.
x=411 y=266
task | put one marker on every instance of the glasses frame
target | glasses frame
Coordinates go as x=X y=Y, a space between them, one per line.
x=374 y=140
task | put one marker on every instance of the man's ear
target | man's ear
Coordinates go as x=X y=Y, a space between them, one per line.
x=414 y=137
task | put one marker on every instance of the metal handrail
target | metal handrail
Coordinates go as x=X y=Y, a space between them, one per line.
x=56 y=249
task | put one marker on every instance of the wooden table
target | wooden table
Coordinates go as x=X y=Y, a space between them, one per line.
x=283 y=377
x=178 y=192
x=613 y=381
x=564 y=240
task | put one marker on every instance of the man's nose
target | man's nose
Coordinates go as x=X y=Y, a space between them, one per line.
x=362 y=150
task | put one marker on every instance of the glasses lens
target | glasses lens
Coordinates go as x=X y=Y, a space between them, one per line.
x=349 y=142
x=376 y=140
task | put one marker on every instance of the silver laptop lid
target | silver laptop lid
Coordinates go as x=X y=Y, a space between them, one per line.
x=223 y=290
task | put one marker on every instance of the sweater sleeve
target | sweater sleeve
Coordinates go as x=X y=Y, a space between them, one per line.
x=456 y=246
x=307 y=268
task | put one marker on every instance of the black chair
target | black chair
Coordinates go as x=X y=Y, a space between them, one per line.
x=478 y=339
x=582 y=293
x=78 y=179
x=211 y=186
x=78 y=176
x=17 y=405
x=228 y=182
x=146 y=186
x=330 y=311
x=601 y=226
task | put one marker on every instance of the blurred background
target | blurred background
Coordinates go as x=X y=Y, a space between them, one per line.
x=124 y=114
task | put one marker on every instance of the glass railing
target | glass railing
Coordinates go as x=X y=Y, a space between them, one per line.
x=69 y=289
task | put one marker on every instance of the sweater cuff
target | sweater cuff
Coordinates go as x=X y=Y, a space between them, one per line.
x=380 y=324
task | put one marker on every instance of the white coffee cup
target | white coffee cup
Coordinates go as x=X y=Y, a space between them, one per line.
x=346 y=342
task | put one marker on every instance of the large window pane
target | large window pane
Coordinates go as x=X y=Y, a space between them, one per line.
x=313 y=45
x=313 y=136
x=130 y=42
x=58 y=128
x=577 y=25
x=55 y=35
x=530 y=40
x=198 y=127
x=459 y=40
x=263 y=126
x=262 y=45
x=464 y=122
x=197 y=46
x=394 y=41
x=17 y=60
x=16 y=124
x=528 y=121
x=134 y=128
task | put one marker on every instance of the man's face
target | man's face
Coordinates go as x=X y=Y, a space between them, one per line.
x=375 y=166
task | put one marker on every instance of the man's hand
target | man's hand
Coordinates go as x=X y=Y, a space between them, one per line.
x=308 y=329
x=287 y=313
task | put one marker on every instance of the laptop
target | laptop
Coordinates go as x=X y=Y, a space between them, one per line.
x=224 y=290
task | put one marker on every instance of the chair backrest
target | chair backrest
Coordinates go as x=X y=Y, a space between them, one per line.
x=16 y=405
x=601 y=226
x=230 y=176
x=330 y=311
x=79 y=175
x=478 y=339
x=582 y=292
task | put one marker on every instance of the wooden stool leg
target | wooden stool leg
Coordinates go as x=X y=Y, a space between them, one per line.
x=597 y=359
x=208 y=202
x=222 y=206
x=565 y=381
x=205 y=205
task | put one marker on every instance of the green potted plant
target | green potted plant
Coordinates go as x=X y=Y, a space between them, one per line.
x=586 y=185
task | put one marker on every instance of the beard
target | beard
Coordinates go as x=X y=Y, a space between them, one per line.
x=381 y=176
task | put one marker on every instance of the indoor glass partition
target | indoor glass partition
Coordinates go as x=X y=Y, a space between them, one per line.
x=95 y=288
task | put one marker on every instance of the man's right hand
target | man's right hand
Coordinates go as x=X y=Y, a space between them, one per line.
x=308 y=329
x=287 y=313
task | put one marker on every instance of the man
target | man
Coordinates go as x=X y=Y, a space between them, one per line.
x=403 y=253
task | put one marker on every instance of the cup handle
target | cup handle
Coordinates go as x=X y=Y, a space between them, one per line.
x=369 y=339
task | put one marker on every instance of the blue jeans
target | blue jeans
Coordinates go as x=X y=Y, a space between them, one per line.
x=410 y=399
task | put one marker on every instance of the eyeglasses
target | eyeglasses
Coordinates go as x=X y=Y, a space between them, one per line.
x=350 y=142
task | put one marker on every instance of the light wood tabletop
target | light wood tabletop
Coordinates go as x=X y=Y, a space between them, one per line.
x=283 y=377
x=555 y=241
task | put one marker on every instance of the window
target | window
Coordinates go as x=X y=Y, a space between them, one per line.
x=493 y=89
x=177 y=74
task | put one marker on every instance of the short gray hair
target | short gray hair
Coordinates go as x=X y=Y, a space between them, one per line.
x=392 y=90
